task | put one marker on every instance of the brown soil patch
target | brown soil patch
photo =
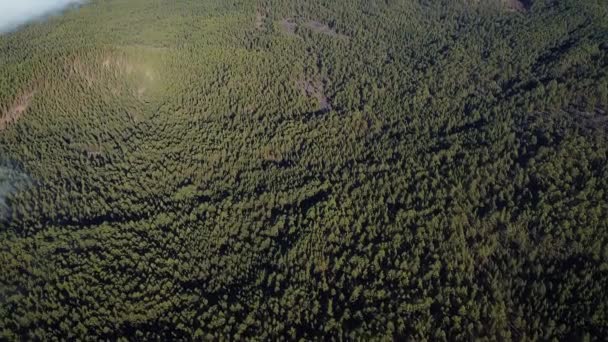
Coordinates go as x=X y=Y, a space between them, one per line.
x=315 y=88
x=141 y=91
x=16 y=111
x=318 y=27
x=93 y=151
x=289 y=26
x=260 y=18
x=271 y=154
x=516 y=5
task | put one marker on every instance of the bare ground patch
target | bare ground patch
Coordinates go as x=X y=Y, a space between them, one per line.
x=93 y=151
x=288 y=26
x=141 y=77
x=596 y=120
x=81 y=69
x=17 y=110
x=260 y=18
x=319 y=27
x=118 y=65
x=314 y=88
x=517 y=5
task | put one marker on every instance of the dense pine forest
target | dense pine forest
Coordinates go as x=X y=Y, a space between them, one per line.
x=306 y=170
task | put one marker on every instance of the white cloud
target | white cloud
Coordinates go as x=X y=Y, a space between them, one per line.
x=18 y=12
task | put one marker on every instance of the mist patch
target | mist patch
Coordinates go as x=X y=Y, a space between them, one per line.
x=16 y=13
x=11 y=180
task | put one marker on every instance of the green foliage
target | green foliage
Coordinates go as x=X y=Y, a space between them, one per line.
x=399 y=169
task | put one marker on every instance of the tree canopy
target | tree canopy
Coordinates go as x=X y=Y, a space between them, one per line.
x=306 y=170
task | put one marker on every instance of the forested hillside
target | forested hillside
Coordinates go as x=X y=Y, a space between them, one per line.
x=316 y=170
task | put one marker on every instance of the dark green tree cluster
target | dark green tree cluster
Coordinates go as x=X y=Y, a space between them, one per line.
x=306 y=170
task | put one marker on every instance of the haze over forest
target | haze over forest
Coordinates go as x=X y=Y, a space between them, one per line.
x=304 y=170
x=16 y=13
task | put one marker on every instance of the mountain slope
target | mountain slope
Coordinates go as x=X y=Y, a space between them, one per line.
x=283 y=170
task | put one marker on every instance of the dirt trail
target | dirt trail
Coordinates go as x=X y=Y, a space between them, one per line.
x=16 y=111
